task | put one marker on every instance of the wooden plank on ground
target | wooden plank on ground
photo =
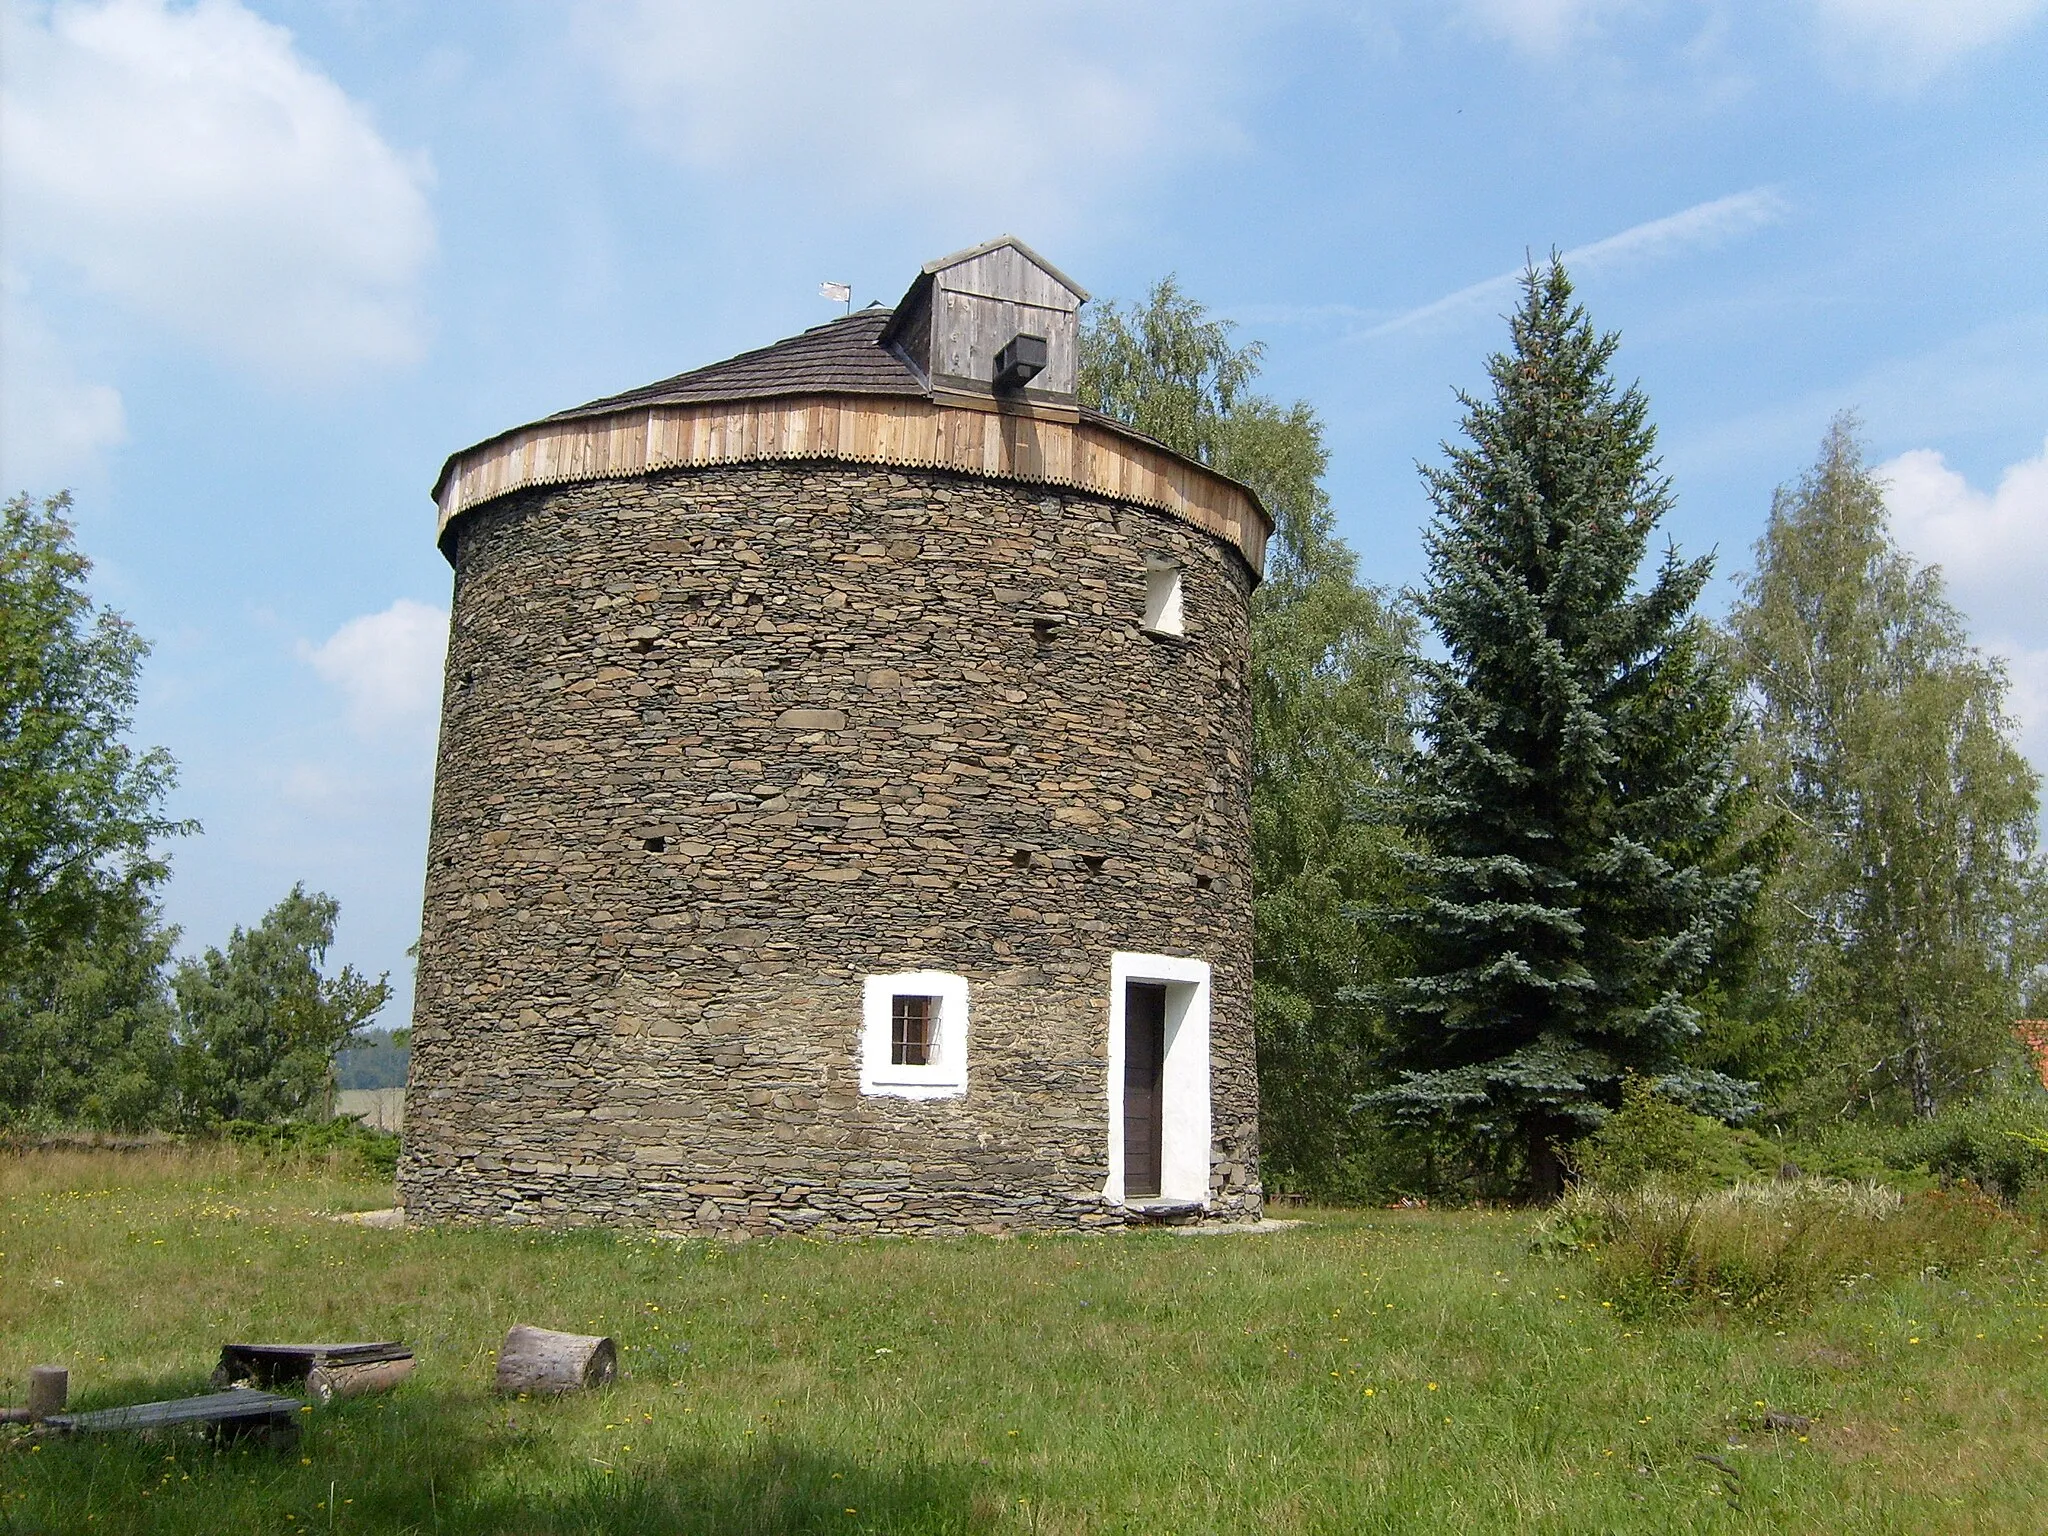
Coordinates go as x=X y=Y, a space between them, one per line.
x=240 y=1406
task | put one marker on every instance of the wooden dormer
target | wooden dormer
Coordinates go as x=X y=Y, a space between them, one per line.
x=970 y=316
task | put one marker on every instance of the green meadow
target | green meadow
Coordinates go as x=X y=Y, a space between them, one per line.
x=1363 y=1371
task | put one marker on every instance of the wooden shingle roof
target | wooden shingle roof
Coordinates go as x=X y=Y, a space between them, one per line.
x=847 y=356
x=844 y=356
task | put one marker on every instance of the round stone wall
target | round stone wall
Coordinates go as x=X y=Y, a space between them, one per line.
x=716 y=745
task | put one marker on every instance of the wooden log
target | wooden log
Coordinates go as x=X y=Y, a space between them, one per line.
x=331 y=1379
x=541 y=1360
x=48 y=1387
x=275 y=1365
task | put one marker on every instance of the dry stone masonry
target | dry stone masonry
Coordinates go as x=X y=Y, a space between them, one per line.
x=723 y=741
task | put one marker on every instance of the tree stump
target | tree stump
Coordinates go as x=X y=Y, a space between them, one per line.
x=48 y=1388
x=541 y=1360
x=330 y=1379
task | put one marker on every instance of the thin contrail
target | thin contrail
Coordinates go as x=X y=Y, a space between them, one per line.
x=1700 y=225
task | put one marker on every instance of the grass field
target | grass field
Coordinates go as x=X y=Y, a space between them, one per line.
x=1373 y=1371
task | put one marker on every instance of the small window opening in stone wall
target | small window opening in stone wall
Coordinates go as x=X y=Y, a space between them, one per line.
x=1021 y=858
x=1203 y=882
x=1042 y=631
x=914 y=1035
x=913 y=1024
x=655 y=844
x=1095 y=862
x=1163 y=613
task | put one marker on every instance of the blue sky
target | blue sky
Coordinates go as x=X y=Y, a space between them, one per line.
x=264 y=265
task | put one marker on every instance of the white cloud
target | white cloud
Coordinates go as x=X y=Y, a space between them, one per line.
x=193 y=166
x=388 y=666
x=980 y=117
x=1991 y=545
x=1545 y=28
x=1902 y=44
x=53 y=424
x=2028 y=700
x=1700 y=227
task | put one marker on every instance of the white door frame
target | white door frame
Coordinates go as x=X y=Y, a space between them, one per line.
x=1184 y=1080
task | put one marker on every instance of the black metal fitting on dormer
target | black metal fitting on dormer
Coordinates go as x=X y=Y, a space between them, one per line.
x=1020 y=361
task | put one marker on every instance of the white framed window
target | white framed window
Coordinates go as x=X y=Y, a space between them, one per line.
x=1163 y=614
x=1158 y=1080
x=913 y=1037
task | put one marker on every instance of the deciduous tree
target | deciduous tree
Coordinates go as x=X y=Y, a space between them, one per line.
x=84 y=1025
x=81 y=812
x=1907 y=913
x=258 y=1022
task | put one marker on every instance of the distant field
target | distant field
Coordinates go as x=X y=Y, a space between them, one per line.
x=1366 y=1372
x=381 y=1109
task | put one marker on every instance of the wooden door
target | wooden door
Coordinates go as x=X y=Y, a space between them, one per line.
x=1144 y=1066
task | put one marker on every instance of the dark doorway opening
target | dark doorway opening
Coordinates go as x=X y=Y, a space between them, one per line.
x=1144 y=1067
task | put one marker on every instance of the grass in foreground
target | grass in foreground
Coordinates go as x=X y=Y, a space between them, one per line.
x=1369 y=1371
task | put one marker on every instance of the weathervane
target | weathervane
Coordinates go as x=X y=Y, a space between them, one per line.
x=838 y=293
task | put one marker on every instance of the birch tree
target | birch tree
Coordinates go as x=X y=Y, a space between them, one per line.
x=1907 y=914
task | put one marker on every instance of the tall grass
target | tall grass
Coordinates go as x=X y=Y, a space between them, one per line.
x=1777 y=1250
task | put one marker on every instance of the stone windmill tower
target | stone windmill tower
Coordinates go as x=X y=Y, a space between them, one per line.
x=841 y=816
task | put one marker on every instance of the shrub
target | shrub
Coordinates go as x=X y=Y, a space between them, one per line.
x=1652 y=1141
x=343 y=1139
x=1771 y=1250
x=1998 y=1144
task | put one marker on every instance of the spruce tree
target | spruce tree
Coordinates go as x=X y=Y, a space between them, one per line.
x=1574 y=795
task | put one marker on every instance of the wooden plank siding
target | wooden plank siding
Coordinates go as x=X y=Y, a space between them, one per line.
x=903 y=431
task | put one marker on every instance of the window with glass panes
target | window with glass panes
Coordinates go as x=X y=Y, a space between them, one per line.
x=913 y=1030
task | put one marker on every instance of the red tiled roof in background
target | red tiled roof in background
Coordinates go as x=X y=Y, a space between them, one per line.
x=2033 y=1035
